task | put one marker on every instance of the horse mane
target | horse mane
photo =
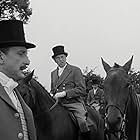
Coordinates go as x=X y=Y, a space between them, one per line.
x=116 y=65
x=43 y=102
x=39 y=88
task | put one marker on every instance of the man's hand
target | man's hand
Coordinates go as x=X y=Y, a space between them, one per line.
x=60 y=95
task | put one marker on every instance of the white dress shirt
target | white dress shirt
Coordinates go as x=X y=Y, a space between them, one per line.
x=95 y=91
x=60 y=70
x=9 y=84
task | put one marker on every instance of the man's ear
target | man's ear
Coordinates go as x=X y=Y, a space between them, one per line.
x=2 y=56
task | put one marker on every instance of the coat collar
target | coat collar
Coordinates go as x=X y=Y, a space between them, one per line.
x=5 y=97
x=7 y=82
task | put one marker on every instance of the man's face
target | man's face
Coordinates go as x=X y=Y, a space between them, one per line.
x=60 y=60
x=15 y=62
x=95 y=86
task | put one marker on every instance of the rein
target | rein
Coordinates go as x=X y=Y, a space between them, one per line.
x=54 y=105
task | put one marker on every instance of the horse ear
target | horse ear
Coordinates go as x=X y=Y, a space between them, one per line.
x=28 y=77
x=105 y=65
x=127 y=65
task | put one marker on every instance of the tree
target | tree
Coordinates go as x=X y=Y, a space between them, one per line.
x=91 y=78
x=15 y=10
x=135 y=80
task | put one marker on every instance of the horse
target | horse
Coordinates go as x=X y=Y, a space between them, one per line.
x=52 y=120
x=122 y=118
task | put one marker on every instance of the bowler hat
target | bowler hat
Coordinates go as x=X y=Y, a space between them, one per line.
x=12 y=34
x=57 y=50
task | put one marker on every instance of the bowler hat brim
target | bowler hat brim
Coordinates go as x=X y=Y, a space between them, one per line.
x=17 y=43
x=59 y=54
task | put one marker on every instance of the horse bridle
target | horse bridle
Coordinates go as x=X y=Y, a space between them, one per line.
x=121 y=133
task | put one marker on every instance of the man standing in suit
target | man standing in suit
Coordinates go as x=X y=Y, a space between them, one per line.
x=16 y=119
x=68 y=85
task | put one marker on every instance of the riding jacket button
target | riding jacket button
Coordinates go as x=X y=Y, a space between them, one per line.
x=64 y=86
x=20 y=135
x=16 y=115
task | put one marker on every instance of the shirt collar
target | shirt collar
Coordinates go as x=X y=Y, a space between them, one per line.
x=7 y=82
x=59 y=68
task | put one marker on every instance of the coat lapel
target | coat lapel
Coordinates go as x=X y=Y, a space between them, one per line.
x=55 y=76
x=64 y=75
x=5 y=97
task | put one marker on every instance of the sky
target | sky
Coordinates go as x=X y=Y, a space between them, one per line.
x=89 y=30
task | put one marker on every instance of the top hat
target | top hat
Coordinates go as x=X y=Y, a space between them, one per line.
x=59 y=50
x=96 y=81
x=12 y=34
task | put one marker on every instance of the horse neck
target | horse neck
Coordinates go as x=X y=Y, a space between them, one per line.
x=42 y=95
x=132 y=106
x=131 y=117
x=44 y=101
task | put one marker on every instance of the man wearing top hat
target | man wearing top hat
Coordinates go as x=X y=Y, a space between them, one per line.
x=68 y=85
x=16 y=119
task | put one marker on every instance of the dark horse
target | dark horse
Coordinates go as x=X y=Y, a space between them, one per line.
x=122 y=118
x=53 y=121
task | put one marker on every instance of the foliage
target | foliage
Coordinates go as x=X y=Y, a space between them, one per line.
x=91 y=78
x=15 y=10
x=135 y=80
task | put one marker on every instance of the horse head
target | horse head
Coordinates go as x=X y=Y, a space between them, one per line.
x=117 y=95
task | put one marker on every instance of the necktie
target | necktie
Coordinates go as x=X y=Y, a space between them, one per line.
x=23 y=121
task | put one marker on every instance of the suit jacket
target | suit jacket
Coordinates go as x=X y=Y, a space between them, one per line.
x=71 y=81
x=97 y=97
x=10 y=125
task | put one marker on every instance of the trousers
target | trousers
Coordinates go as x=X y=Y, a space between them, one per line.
x=79 y=112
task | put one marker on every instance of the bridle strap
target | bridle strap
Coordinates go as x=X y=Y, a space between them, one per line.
x=111 y=105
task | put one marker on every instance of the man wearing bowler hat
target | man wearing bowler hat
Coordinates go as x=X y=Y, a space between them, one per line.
x=16 y=119
x=68 y=85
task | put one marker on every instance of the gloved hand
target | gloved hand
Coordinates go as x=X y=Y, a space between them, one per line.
x=60 y=95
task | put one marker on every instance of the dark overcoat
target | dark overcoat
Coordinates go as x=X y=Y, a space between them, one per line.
x=10 y=125
x=71 y=81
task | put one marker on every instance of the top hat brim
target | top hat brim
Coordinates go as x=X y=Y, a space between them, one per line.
x=17 y=43
x=59 y=54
